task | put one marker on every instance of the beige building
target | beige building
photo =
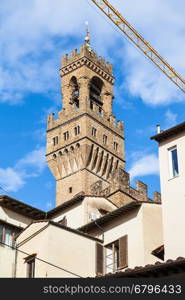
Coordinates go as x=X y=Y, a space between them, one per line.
x=100 y=224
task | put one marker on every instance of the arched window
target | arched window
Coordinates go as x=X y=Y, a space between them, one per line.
x=95 y=90
x=74 y=91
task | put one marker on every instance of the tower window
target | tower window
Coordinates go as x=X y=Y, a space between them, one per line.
x=173 y=161
x=66 y=135
x=94 y=131
x=105 y=139
x=77 y=130
x=74 y=92
x=91 y=105
x=96 y=85
x=70 y=190
x=115 y=146
x=55 y=140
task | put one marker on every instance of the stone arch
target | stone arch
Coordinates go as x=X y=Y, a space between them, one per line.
x=95 y=90
x=74 y=91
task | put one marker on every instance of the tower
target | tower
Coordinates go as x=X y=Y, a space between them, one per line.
x=85 y=144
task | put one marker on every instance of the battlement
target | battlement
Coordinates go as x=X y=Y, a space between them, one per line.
x=92 y=109
x=85 y=51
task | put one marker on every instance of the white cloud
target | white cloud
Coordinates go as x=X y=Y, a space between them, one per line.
x=170 y=119
x=32 y=164
x=34 y=34
x=11 y=180
x=143 y=166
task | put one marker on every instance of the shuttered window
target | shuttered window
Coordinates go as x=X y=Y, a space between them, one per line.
x=116 y=256
x=99 y=259
x=123 y=252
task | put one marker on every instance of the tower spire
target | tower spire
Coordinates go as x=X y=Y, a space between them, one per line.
x=87 y=37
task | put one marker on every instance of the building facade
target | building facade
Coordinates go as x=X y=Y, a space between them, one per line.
x=172 y=176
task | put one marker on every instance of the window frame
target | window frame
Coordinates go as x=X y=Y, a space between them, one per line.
x=55 y=140
x=66 y=135
x=30 y=265
x=105 y=139
x=115 y=146
x=94 y=132
x=172 y=167
x=14 y=230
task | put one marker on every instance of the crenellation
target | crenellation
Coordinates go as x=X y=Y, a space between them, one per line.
x=157 y=197
x=142 y=188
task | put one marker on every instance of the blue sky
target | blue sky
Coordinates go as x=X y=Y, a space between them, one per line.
x=34 y=35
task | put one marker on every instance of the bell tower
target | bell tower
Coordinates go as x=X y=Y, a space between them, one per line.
x=85 y=143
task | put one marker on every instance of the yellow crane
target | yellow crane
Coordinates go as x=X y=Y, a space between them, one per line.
x=140 y=42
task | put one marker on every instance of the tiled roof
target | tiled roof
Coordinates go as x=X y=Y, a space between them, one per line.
x=21 y=208
x=156 y=270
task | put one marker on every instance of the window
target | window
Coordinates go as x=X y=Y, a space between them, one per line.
x=30 y=261
x=105 y=139
x=115 y=146
x=55 y=140
x=94 y=131
x=77 y=130
x=70 y=190
x=173 y=162
x=116 y=255
x=66 y=135
x=7 y=234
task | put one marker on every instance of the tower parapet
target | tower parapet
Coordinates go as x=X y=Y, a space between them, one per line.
x=91 y=55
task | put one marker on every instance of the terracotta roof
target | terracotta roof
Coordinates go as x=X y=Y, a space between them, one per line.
x=21 y=208
x=110 y=216
x=156 y=270
x=169 y=132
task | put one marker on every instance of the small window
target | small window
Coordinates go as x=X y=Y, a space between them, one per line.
x=70 y=190
x=94 y=131
x=30 y=261
x=173 y=161
x=77 y=130
x=91 y=105
x=55 y=140
x=7 y=235
x=104 y=139
x=115 y=146
x=66 y=135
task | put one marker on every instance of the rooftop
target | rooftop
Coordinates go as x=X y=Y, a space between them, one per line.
x=168 y=268
x=163 y=135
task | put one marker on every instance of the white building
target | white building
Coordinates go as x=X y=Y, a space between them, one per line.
x=172 y=177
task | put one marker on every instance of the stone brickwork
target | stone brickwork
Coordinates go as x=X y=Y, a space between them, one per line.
x=85 y=142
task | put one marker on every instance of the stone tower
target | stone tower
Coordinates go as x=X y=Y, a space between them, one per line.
x=85 y=144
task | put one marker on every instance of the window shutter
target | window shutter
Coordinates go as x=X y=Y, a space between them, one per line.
x=123 y=252
x=99 y=259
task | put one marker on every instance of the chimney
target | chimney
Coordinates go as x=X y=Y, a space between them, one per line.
x=158 y=128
